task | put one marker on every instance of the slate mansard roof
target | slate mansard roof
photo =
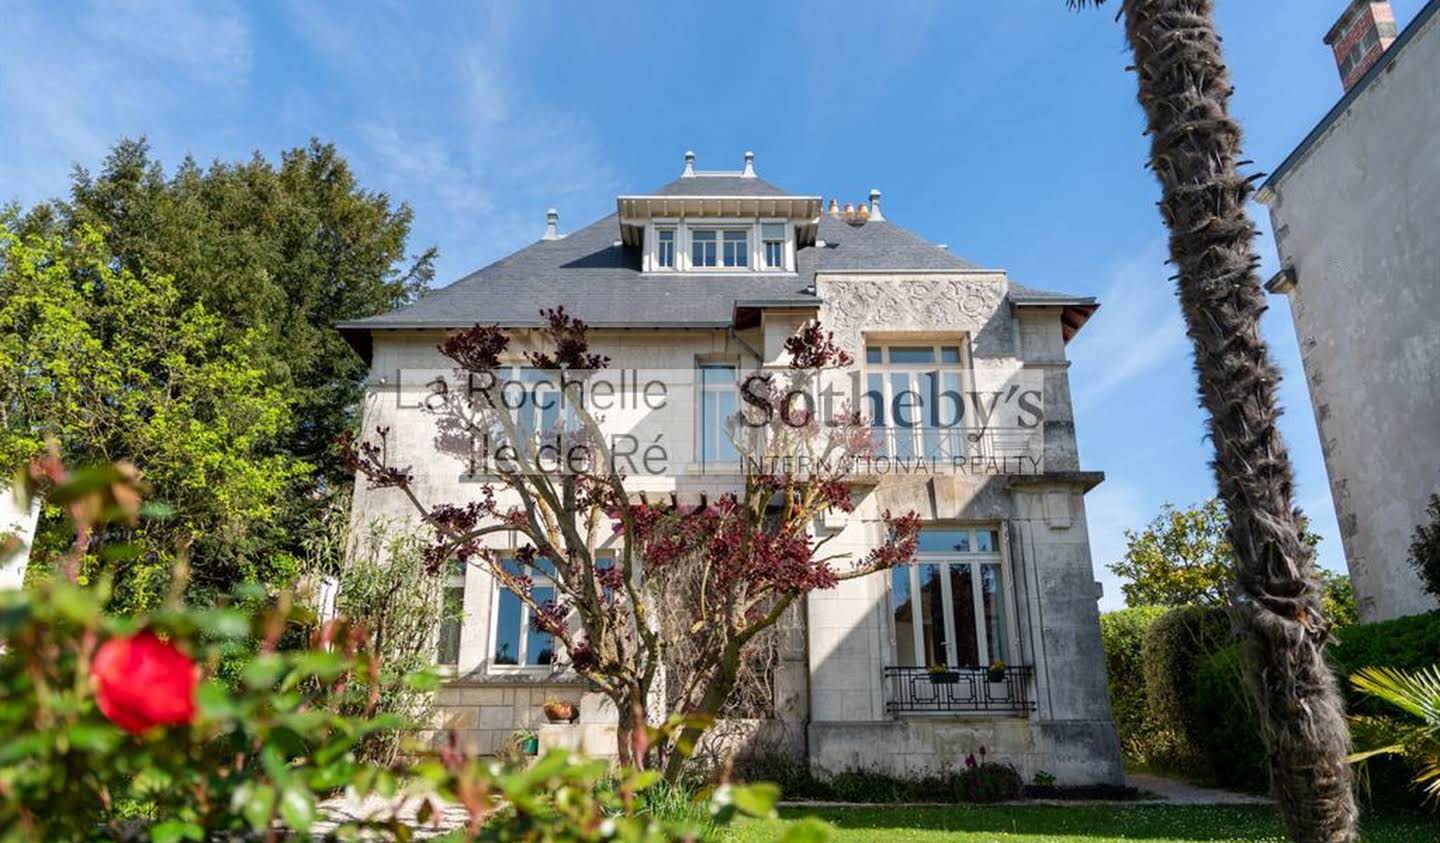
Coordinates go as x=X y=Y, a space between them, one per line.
x=592 y=275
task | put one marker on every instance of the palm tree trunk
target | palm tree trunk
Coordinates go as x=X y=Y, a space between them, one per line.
x=1185 y=90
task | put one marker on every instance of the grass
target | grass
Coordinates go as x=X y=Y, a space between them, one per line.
x=1070 y=824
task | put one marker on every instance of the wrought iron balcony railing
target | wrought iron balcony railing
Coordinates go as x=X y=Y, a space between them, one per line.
x=958 y=690
x=948 y=444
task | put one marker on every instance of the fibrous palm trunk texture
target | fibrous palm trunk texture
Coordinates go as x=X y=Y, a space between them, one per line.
x=1184 y=89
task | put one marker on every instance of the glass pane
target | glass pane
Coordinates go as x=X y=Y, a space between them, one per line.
x=539 y=646
x=987 y=541
x=874 y=402
x=725 y=409
x=950 y=354
x=452 y=610
x=932 y=615
x=911 y=354
x=903 y=610
x=929 y=388
x=993 y=597
x=905 y=411
x=704 y=236
x=772 y=231
x=874 y=354
x=941 y=540
x=717 y=376
x=962 y=599
x=507 y=628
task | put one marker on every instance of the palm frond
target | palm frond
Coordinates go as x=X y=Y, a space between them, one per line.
x=1081 y=4
x=1416 y=693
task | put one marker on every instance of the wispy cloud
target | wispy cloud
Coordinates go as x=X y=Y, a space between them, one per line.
x=211 y=40
x=1137 y=329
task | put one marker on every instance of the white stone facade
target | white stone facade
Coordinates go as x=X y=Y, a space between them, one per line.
x=833 y=701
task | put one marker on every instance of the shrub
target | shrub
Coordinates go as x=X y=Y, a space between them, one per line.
x=1174 y=646
x=1225 y=722
x=1408 y=643
x=988 y=782
x=1425 y=548
x=1122 y=633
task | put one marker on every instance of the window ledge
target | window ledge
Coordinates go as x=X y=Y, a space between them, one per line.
x=482 y=676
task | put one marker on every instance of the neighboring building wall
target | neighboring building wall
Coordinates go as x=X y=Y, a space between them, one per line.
x=1356 y=218
x=19 y=523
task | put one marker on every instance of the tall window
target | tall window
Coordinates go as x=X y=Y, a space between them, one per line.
x=665 y=247
x=737 y=249
x=772 y=235
x=949 y=604
x=452 y=614
x=516 y=644
x=702 y=247
x=916 y=399
x=719 y=400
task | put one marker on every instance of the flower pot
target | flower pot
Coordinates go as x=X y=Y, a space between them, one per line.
x=996 y=675
x=530 y=745
x=561 y=712
x=944 y=677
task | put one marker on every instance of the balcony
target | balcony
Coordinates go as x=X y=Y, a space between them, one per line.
x=958 y=690
x=1009 y=449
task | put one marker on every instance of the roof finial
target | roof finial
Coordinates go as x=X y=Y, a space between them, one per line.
x=749 y=165
x=689 y=165
x=875 y=215
x=552 y=225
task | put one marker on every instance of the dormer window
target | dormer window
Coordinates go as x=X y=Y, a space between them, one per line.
x=737 y=249
x=665 y=248
x=772 y=235
x=702 y=248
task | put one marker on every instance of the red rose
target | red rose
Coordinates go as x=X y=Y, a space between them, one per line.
x=142 y=682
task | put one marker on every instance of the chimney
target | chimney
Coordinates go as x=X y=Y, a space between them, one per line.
x=875 y=215
x=552 y=225
x=749 y=165
x=689 y=165
x=834 y=208
x=1363 y=33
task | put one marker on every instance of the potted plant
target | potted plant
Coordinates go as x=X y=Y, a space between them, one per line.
x=942 y=675
x=526 y=741
x=561 y=711
x=996 y=671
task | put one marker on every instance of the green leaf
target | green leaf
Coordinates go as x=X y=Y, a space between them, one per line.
x=297 y=808
x=808 y=830
x=214 y=700
x=756 y=800
x=156 y=510
x=259 y=809
x=173 y=831
x=263 y=670
x=424 y=680
x=320 y=664
x=642 y=779
x=223 y=623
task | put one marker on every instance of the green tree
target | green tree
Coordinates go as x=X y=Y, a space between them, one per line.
x=1184 y=558
x=1425 y=548
x=1181 y=558
x=281 y=252
x=116 y=365
x=1184 y=89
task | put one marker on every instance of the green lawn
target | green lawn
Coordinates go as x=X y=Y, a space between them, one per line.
x=1070 y=824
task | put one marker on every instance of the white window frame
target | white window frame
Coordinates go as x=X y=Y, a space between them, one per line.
x=914 y=371
x=975 y=560
x=701 y=388
x=538 y=580
x=674 y=244
x=784 y=242
x=454 y=579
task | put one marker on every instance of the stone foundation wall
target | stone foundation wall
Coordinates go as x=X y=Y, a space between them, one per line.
x=1075 y=752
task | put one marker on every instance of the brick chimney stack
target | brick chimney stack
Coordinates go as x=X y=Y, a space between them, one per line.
x=1365 y=30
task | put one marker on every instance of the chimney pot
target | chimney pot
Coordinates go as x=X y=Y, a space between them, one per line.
x=689 y=165
x=862 y=213
x=749 y=172
x=834 y=208
x=875 y=214
x=552 y=225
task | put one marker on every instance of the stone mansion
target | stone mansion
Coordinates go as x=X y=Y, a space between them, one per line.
x=705 y=277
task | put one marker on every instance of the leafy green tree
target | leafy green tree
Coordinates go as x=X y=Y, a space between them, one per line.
x=1181 y=558
x=1425 y=548
x=116 y=365
x=279 y=253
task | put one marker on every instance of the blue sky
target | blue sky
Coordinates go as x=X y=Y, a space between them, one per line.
x=1007 y=130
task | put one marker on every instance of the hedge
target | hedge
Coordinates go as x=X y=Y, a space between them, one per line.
x=1174 y=647
x=1224 y=719
x=1122 y=633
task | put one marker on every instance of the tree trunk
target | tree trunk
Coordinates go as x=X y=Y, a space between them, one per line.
x=1185 y=91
